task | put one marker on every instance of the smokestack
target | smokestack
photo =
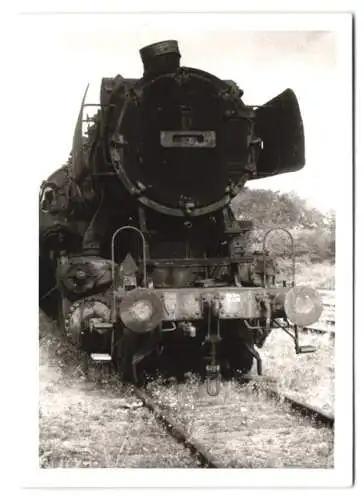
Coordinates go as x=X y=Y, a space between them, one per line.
x=160 y=57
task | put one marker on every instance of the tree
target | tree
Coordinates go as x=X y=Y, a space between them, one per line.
x=313 y=231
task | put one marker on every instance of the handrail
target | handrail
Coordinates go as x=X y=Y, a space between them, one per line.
x=119 y=230
x=116 y=233
x=292 y=253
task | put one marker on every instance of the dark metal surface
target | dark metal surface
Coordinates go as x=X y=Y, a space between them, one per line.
x=279 y=125
x=188 y=139
x=179 y=105
x=78 y=160
x=232 y=302
x=165 y=156
x=202 y=262
x=306 y=317
x=147 y=298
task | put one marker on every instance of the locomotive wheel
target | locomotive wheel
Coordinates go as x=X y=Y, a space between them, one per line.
x=136 y=356
x=238 y=360
x=126 y=347
x=181 y=355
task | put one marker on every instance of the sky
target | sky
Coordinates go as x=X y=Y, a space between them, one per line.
x=65 y=53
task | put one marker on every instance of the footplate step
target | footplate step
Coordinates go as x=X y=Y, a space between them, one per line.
x=303 y=349
x=100 y=357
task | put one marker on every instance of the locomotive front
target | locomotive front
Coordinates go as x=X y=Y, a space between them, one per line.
x=179 y=135
x=152 y=264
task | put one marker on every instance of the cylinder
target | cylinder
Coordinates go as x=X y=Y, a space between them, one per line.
x=160 y=57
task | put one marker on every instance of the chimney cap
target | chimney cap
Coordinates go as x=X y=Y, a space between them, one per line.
x=158 y=49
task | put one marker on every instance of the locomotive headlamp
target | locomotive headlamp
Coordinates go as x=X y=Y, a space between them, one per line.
x=303 y=305
x=141 y=311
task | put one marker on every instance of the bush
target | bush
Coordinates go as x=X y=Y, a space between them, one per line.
x=313 y=231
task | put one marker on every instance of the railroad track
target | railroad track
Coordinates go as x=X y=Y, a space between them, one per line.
x=249 y=425
x=326 y=324
x=95 y=420
x=204 y=457
x=171 y=412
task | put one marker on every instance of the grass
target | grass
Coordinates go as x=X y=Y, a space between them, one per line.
x=242 y=427
x=316 y=274
x=72 y=413
x=92 y=423
x=310 y=377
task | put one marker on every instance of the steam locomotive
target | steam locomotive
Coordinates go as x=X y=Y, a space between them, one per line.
x=141 y=256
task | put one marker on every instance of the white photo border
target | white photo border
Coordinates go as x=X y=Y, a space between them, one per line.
x=341 y=475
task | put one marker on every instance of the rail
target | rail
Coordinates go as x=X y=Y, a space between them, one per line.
x=210 y=446
x=326 y=323
x=175 y=430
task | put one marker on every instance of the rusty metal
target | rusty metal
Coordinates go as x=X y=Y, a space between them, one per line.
x=116 y=233
x=196 y=448
x=165 y=198
x=81 y=312
x=264 y=300
x=78 y=160
x=178 y=212
x=279 y=125
x=129 y=315
x=158 y=49
x=251 y=348
x=144 y=246
x=213 y=377
x=303 y=318
x=114 y=284
x=199 y=262
x=172 y=328
x=295 y=336
x=85 y=274
x=312 y=412
x=180 y=304
x=188 y=139
x=234 y=302
x=204 y=204
x=212 y=338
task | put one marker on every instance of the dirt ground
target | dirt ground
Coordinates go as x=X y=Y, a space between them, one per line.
x=97 y=422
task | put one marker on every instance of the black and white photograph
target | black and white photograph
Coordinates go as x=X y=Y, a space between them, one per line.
x=194 y=196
